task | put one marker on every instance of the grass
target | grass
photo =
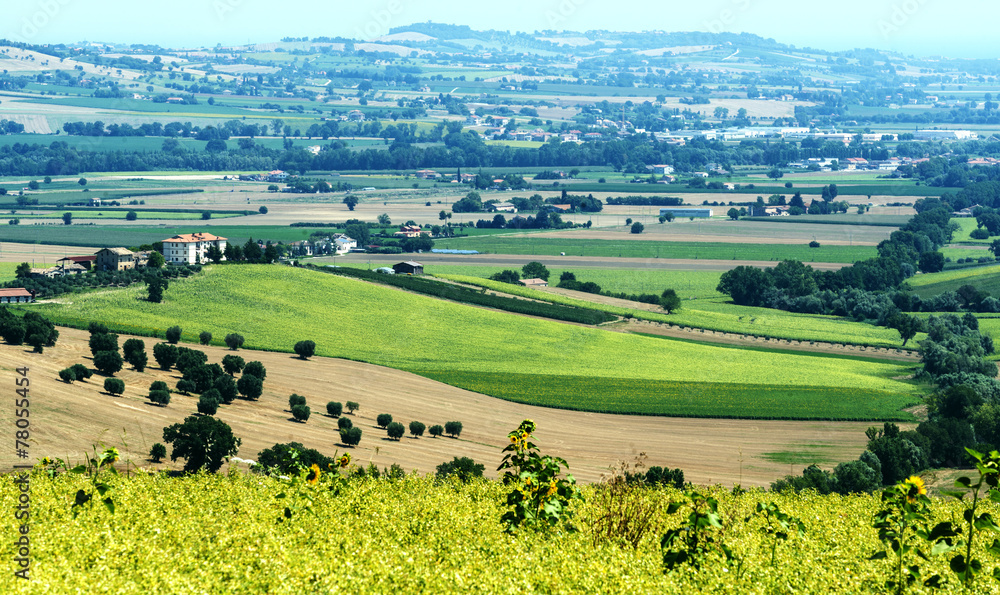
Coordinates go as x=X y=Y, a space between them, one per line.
x=120 y=215
x=985 y=278
x=654 y=249
x=273 y=307
x=136 y=235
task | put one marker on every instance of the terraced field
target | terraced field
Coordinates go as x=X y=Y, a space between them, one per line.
x=274 y=307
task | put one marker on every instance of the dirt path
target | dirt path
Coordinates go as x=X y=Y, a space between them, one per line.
x=68 y=418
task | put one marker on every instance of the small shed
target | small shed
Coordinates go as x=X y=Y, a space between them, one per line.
x=408 y=268
x=534 y=282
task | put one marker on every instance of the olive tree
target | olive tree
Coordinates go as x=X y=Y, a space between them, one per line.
x=383 y=420
x=334 y=409
x=305 y=349
x=453 y=428
x=204 y=442
x=395 y=430
x=114 y=386
x=173 y=335
x=417 y=429
x=234 y=341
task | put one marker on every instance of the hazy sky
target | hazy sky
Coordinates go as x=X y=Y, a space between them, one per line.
x=912 y=26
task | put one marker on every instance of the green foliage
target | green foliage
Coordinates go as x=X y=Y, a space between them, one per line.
x=670 y=301
x=98 y=469
x=81 y=371
x=695 y=541
x=157 y=452
x=777 y=525
x=300 y=412
x=160 y=397
x=173 y=335
x=964 y=565
x=395 y=430
x=165 y=355
x=417 y=429
x=464 y=468
x=108 y=362
x=538 y=497
x=208 y=404
x=535 y=270
x=344 y=423
x=186 y=386
x=114 y=386
x=255 y=368
x=296 y=400
x=352 y=406
x=234 y=341
x=227 y=388
x=232 y=364
x=204 y=443
x=334 y=409
x=350 y=436
x=67 y=375
x=250 y=386
x=103 y=342
x=436 y=430
x=305 y=349
x=453 y=428
x=205 y=337
x=507 y=276
x=383 y=420
x=637 y=228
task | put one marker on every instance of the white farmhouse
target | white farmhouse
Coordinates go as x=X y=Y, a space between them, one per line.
x=191 y=248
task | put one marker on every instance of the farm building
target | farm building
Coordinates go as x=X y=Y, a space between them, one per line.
x=87 y=262
x=114 y=259
x=408 y=268
x=534 y=282
x=408 y=231
x=15 y=295
x=191 y=248
x=686 y=212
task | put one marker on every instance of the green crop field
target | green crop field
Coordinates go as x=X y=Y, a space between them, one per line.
x=653 y=249
x=217 y=534
x=967 y=225
x=97 y=213
x=402 y=330
x=984 y=278
x=136 y=235
x=719 y=314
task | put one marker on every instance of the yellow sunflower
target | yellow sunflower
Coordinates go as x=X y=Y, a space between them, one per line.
x=313 y=476
x=914 y=487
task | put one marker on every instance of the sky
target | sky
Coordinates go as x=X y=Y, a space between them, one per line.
x=919 y=27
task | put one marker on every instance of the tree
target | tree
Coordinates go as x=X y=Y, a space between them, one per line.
x=395 y=430
x=205 y=337
x=301 y=413
x=352 y=407
x=156 y=286
x=733 y=214
x=131 y=216
x=465 y=469
x=207 y=405
x=232 y=364
x=82 y=181
x=67 y=375
x=103 y=342
x=131 y=346
x=294 y=400
x=165 y=355
x=383 y=420
x=535 y=270
x=384 y=220
x=114 y=386
x=775 y=173
x=305 y=349
x=156 y=261
x=81 y=371
x=108 y=362
x=160 y=397
x=157 y=453
x=417 y=429
x=250 y=386
x=23 y=271
x=234 y=341
x=257 y=369
x=436 y=430
x=637 y=227
x=745 y=285
x=351 y=201
x=226 y=387
x=137 y=359
x=453 y=428
x=334 y=409
x=186 y=386
x=931 y=262
x=670 y=301
x=67 y=218
x=506 y=276
x=907 y=326
x=216 y=145
x=204 y=442
x=344 y=422
x=173 y=335
x=350 y=436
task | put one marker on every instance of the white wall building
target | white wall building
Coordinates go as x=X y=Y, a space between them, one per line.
x=191 y=248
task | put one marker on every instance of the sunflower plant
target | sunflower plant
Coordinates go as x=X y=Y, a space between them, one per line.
x=696 y=540
x=96 y=468
x=538 y=497
x=964 y=565
x=777 y=525
x=301 y=489
x=906 y=534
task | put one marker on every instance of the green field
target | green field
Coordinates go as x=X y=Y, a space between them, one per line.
x=653 y=249
x=217 y=534
x=136 y=235
x=97 y=213
x=984 y=278
x=403 y=330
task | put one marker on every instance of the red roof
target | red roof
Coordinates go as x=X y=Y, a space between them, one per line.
x=191 y=238
x=15 y=292
x=91 y=257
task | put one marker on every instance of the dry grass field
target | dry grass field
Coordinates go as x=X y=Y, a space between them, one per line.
x=69 y=418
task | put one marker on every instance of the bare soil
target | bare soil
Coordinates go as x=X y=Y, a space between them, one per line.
x=67 y=419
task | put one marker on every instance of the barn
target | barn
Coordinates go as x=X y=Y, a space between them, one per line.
x=408 y=268
x=15 y=295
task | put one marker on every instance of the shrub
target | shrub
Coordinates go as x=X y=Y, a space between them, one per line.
x=453 y=428
x=395 y=430
x=383 y=420
x=108 y=362
x=207 y=405
x=300 y=412
x=186 y=386
x=165 y=355
x=82 y=372
x=287 y=458
x=417 y=428
x=344 y=423
x=173 y=335
x=250 y=387
x=68 y=375
x=814 y=244
x=436 y=430
x=233 y=364
x=205 y=337
x=980 y=233
x=350 y=436
x=160 y=397
x=234 y=341
x=352 y=406
x=465 y=469
x=637 y=227
x=305 y=349
x=157 y=452
x=114 y=386
x=334 y=409
x=665 y=476
x=159 y=385
x=255 y=369
x=227 y=388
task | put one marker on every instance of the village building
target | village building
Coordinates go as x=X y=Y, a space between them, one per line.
x=408 y=268
x=191 y=248
x=114 y=259
x=15 y=295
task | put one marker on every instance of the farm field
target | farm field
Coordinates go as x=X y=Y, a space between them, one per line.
x=652 y=249
x=136 y=235
x=414 y=535
x=228 y=301
x=984 y=278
